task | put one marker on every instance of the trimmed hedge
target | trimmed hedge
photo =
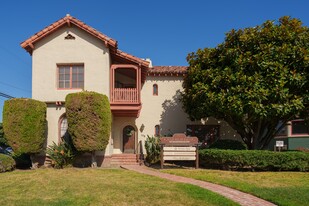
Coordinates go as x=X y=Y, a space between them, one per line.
x=7 y=163
x=89 y=120
x=228 y=144
x=255 y=159
x=24 y=124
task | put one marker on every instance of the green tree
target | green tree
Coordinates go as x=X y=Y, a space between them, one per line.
x=24 y=125
x=3 y=141
x=256 y=80
x=89 y=121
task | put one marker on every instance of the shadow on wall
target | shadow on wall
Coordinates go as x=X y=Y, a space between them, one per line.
x=173 y=118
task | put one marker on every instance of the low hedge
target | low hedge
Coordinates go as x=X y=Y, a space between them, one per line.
x=255 y=160
x=228 y=144
x=7 y=163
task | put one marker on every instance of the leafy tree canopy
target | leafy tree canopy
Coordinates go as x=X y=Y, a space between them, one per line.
x=3 y=141
x=255 y=80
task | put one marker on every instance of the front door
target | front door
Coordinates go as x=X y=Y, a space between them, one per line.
x=129 y=139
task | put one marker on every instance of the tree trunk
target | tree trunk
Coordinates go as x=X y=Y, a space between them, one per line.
x=34 y=163
x=93 y=160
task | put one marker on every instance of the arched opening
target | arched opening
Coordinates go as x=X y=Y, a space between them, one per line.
x=155 y=90
x=157 y=130
x=128 y=134
x=63 y=133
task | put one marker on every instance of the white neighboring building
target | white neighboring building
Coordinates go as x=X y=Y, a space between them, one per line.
x=70 y=56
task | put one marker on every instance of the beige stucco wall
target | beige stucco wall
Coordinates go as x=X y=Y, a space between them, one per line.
x=118 y=125
x=54 y=49
x=164 y=110
x=53 y=115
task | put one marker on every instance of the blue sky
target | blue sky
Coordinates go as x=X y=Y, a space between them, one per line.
x=163 y=30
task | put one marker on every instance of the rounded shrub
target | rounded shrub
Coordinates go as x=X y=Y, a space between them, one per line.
x=228 y=144
x=89 y=120
x=7 y=163
x=24 y=124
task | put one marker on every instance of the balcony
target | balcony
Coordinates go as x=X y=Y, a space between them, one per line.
x=125 y=90
x=125 y=95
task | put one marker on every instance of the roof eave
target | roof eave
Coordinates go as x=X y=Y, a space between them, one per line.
x=68 y=20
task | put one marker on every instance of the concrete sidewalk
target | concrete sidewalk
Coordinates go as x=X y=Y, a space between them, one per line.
x=235 y=195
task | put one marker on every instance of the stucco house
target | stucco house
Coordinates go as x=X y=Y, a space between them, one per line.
x=70 y=56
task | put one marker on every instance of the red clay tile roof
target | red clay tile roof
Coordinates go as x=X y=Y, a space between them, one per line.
x=69 y=20
x=158 y=70
x=123 y=55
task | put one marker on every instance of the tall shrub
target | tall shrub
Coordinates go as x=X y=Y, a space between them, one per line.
x=3 y=141
x=24 y=125
x=89 y=120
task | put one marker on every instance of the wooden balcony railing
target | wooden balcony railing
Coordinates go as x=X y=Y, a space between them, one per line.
x=125 y=95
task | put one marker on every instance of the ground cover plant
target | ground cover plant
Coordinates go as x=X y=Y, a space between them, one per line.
x=73 y=186
x=282 y=188
x=7 y=163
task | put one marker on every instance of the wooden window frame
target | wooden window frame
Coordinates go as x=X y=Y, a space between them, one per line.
x=71 y=76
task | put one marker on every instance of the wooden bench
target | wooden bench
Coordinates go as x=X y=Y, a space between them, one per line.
x=179 y=148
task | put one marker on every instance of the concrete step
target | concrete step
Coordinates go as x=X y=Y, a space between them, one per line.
x=124 y=159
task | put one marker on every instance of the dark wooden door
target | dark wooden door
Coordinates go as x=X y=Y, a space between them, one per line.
x=129 y=139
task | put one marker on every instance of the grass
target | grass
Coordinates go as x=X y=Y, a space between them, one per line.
x=282 y=188
x=98 y=187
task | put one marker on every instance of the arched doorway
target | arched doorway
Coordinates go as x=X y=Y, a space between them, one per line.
x=128 y=134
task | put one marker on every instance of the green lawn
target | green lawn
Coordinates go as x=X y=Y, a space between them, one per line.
x=282 y=188
x=98 y=187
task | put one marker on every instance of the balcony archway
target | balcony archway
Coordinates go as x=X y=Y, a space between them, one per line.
x=125 y=89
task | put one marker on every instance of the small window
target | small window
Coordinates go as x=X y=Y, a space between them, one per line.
x=300 y=127
x=157 y=130
x=71 y=77
x=155 y=90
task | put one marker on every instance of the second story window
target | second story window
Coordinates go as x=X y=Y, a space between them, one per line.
x=70 y=77
x=155 y=90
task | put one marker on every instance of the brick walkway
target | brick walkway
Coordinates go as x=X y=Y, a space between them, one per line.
x=235 y=195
